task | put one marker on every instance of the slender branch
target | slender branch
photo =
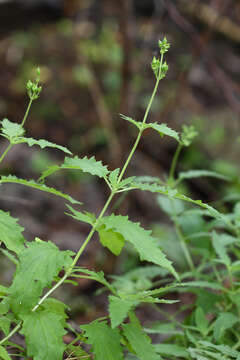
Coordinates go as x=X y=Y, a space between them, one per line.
x=27 y=112
x=174 y=162
x=143 y=122
x=6 y=151
x=80 y=251
x=14 y=330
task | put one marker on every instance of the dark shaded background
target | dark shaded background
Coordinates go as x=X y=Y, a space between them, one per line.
x=95 y=63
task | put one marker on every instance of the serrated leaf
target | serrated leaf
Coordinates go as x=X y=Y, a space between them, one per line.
x=138 y=124
x=11 y=232
x=220 y=249
x=163 y=328
x=112 y=240
x=191 y=174
x=154 y=188
x=223 y=349
x=225 y=321
x=11 y=129
x=38 y=265
x=119 y=308
x=104 y=340
x=172 y=350
x=44 y=335
x=43 y=144
x=86 y=217
x=163 y=129
x=5 y=323
x=201 y=284
x=89 y=165
x=4 y=354
x=139 y=340
x=140 y=238
x=113 y=176
x=37 y=186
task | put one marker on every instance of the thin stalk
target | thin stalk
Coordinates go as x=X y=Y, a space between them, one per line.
x=181 y=237
x=80 y=251
x=113 y=192
x=174 y=162
x=6 y=151
x=143 y=122
x=27 y=112
x=14 y=330
x=184 y=247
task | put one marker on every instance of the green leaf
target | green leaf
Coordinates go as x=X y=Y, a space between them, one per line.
x=113 y=177
x=104 y=340
x=3 y=354
x=38 y=186
x=38 y=265
x=86 y=217
x=86 y=165
x=91 y=166
x=112 y=240
x=43 y=144
x=224 y=321
x=172 y=350
x=200 y=320
x=119 y=308
x=223 y=349
x=138 y=124
x=139 y=340
x=140 y=238
x=201 y=173
x=220 y=249
x=5 y=323
x=44 y=335
x=163 y=328
x=10 y=129
x=11 y=232
x=56 y=307
x=201 y=284
x=4 y=306
x=93 y=275
x=162 y=129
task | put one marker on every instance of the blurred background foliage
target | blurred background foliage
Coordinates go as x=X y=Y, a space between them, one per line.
x=95 y=63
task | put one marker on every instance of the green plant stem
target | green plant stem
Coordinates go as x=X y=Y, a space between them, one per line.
x=27 y=112
x=143 y=122
x=184 y=247
x=6 y=151
x=174 y=162
x=181 y=237
x=80 y=251
x=113 y=192
x=11 y=333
